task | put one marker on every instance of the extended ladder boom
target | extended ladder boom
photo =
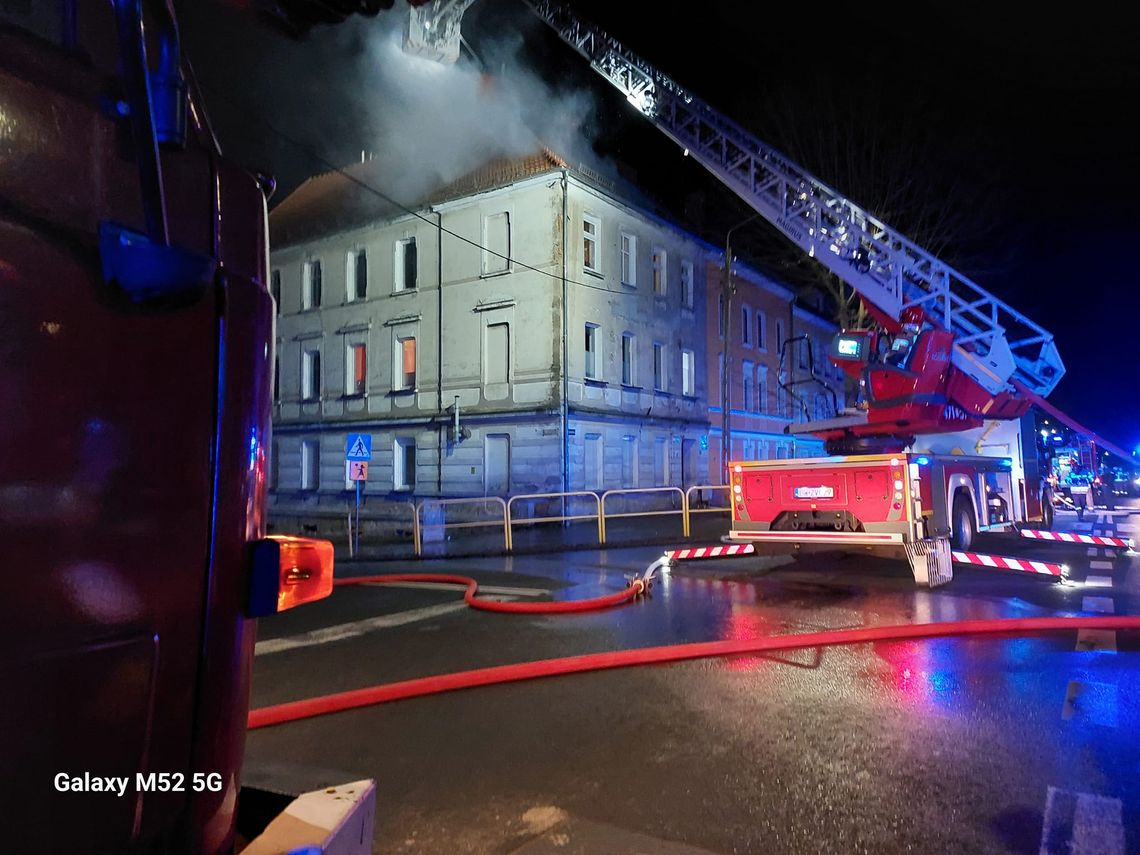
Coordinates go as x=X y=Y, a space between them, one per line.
x=994 y=343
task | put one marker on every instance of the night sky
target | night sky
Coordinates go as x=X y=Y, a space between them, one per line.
x=1016 y=127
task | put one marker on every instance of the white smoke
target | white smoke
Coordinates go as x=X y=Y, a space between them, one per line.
x=427 y=124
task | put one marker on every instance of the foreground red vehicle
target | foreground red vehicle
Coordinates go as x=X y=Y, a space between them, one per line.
x=134 y=421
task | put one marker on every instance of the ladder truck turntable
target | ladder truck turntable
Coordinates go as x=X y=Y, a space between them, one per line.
x=942 y=448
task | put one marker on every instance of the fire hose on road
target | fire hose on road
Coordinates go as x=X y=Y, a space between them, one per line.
x=405 y=689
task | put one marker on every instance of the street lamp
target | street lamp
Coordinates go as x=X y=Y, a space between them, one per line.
x=728 y=290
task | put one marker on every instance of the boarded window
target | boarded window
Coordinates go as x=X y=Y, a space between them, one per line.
x=687 y=284
x=497 y=359
x=660 y=378
x=629 y=461
x=688 y=373
x=628 y=343
x=496 y=243
x=593 y=464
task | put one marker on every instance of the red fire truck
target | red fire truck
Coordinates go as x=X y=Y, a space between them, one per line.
x=943 y=356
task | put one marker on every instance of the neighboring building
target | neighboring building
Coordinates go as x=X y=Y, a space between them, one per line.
x=565 y=324
x=764 y=315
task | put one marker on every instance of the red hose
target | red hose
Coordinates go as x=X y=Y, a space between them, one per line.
x=633 y=591
x=295 y=710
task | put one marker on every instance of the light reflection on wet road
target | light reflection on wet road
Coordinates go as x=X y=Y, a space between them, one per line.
x=938 y=745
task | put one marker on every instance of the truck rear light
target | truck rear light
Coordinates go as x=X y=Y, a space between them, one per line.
x=287 y=572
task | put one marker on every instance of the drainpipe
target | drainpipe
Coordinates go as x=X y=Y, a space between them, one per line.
x=565 y=409
x=793 y=361
x=440 y=420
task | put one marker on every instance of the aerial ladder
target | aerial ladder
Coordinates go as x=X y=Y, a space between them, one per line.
x=971 y=357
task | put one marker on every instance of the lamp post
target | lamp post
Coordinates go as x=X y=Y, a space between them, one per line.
x=728 y=290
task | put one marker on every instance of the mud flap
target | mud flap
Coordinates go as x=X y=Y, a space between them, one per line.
x=930 y=561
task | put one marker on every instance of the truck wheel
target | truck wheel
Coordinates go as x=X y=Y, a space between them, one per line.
x=962 y=525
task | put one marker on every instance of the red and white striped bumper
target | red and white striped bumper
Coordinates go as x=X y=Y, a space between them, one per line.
x=710 y=552
x=1067 y=537
x=997 y=561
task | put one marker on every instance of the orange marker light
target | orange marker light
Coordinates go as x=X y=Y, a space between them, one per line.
x=287 y=572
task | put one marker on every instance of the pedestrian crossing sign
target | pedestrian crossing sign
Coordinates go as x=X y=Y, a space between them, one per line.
x=358 y=447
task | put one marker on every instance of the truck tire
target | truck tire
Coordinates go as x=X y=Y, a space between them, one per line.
x=962 y=524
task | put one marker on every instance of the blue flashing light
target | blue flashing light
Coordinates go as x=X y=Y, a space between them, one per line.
x=1006 y=463
x=922 y=461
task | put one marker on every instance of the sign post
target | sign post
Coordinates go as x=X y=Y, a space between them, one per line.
x=357 y=453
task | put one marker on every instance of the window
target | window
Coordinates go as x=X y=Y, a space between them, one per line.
x=780 y=338
x=496 y=243
x=720 y=378
x=629 y=461
x=407 y=265
x=404 y=364
x=274 y=465
x=746 y=326
x=688 y=373
x=687 y=284
x=781 y=401
x=761 y=388
x=311 y=375
x=355 y=275
x=660 y=462
x=497 y=354
x=746 y=372
x=720 y=314
x=761 y=339
x=275 y=289
x=356 y=369
x=593 y=353
x=660 y=268
x=593 y=476
x=404 y=464
x=628 y=260
x=591 y=228
x=311 y=285
x=804 y=347
x=310 y=464
x=659 y=367
x=628 y=358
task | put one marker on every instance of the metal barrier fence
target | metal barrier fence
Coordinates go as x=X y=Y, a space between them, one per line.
x=508 y=519
x=557 y=517
x=643 y=490
x=420 y=525
x=690 y=510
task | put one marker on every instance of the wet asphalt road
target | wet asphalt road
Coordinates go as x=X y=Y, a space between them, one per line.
x=995 y=745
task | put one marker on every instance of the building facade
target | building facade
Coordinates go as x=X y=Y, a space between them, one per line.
x=770 y=385
x=525 y=330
